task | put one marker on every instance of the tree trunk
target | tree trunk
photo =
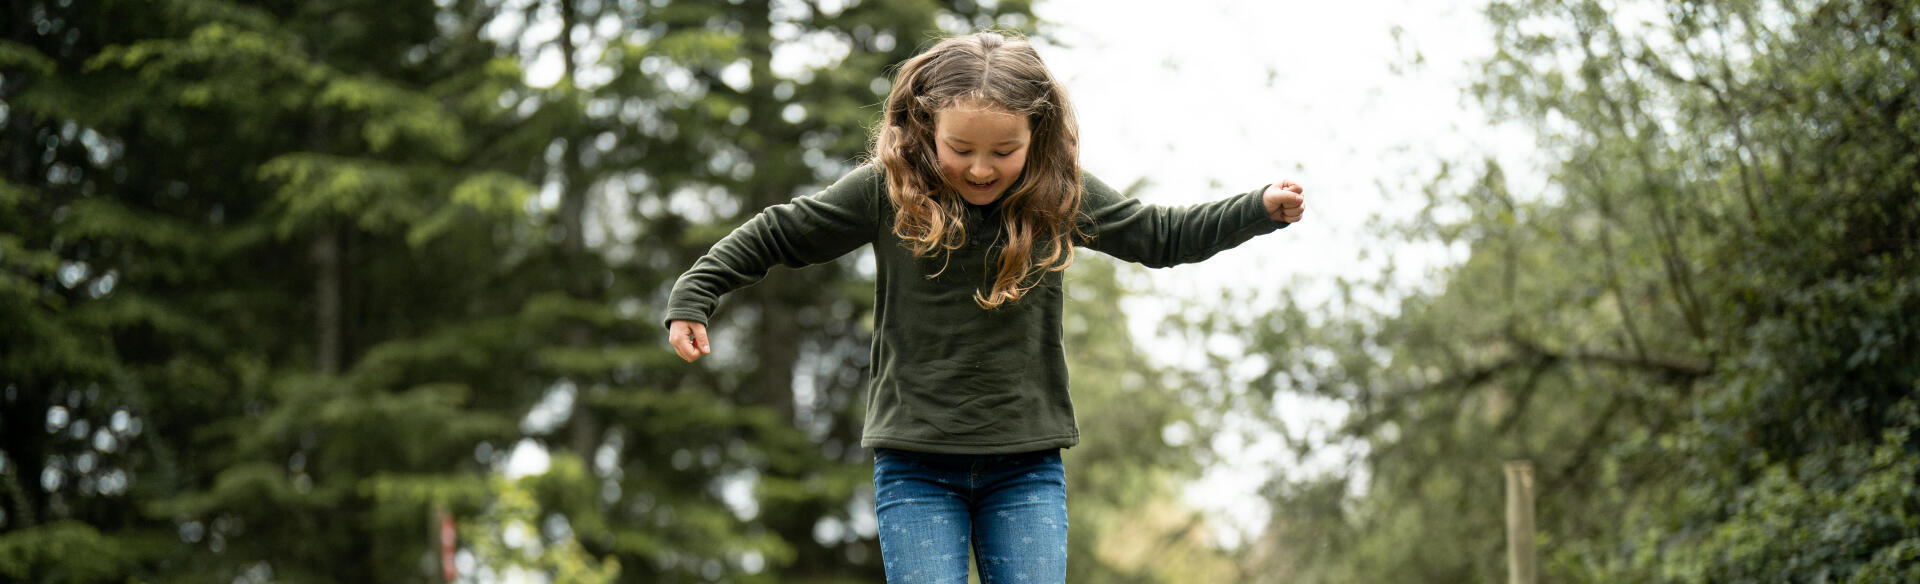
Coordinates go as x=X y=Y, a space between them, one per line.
x=575 y=261
x=776 y=336
x=23 y=416
x=327 y=254
x=23 y=425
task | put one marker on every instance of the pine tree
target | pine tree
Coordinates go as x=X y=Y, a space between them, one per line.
x=283 y=284
x=259 y=355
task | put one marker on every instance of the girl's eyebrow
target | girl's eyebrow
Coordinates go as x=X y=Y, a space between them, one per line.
x=956 y=139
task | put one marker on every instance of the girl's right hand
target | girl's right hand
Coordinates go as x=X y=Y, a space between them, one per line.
x=689 y=339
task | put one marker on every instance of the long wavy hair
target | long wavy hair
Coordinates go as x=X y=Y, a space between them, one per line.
x=1000 y=70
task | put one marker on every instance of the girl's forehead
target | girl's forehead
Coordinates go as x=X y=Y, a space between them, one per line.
x=978 y=118
x=980 y=121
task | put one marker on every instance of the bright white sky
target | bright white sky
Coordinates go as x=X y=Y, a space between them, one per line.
x=1206 y=98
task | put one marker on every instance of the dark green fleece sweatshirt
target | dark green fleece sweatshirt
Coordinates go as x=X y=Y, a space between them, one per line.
x=949 y=376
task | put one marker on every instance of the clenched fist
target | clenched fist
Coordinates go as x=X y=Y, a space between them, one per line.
x=1286 y=201
x=689 y=339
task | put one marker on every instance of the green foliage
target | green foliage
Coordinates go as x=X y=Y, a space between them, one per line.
x=1699 y=333
x=175 y=393
x=63 y=551
x=24 y=57
x=281 y=282
x=1857 y=529
x=508 y=532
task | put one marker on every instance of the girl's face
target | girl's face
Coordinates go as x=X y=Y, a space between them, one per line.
x=982 y=149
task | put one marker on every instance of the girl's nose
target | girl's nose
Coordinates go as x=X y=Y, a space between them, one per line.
x=979 y=170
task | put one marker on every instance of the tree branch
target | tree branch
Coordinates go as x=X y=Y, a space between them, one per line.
x=1524 y=396
x=1591 y=441
x=1676 y=369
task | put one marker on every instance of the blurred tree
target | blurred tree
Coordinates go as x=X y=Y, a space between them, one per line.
x=1702 y=332
x=244 y=248
x=281 y=280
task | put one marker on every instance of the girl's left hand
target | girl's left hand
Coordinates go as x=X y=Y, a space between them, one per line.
x=1286 y=201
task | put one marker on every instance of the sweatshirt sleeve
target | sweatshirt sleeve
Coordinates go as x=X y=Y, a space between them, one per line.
x=805 y=231
x=1158 y=236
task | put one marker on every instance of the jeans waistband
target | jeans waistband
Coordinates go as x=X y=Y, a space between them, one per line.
x=946 y=459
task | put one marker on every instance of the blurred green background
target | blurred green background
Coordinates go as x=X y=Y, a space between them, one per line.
x=285 y=287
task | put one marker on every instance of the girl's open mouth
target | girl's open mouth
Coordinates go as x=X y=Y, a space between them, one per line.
x=981 y=186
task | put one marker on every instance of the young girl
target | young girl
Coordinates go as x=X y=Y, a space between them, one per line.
x=974 y=202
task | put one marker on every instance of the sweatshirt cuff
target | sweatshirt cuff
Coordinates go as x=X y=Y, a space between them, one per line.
x=685 y=314
x=1259 y=206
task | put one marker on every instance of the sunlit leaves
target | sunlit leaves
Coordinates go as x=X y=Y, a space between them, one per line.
x=13 y=54
x=384 y=197
x=70 y=550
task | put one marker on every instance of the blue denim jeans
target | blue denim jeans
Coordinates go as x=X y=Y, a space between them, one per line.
x=1009 y=509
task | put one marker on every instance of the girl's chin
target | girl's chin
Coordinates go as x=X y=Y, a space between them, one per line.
x=980 y=198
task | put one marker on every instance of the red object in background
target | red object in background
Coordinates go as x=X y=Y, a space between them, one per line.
x=447 y=539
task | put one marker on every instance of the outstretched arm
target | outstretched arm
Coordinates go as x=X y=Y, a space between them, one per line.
x=1158 y=236
x=807 y=230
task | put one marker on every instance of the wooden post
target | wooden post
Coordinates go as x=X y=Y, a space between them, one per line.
x=448 y=543
x=1520 y=552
